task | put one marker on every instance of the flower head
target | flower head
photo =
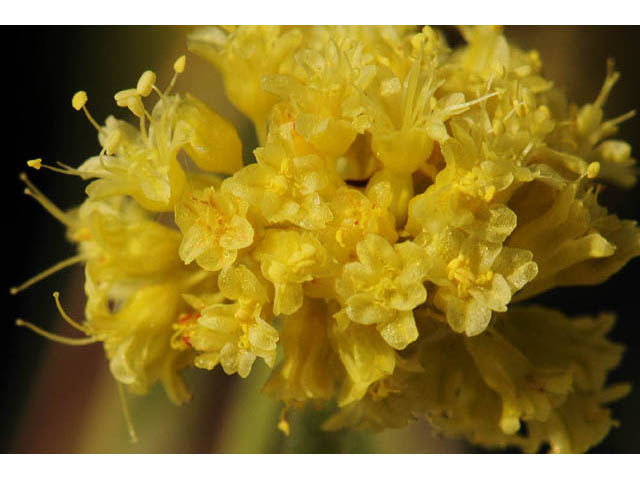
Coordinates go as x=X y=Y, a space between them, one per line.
x=405 y=196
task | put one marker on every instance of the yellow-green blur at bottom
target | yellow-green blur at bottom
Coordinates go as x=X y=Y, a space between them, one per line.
x=404 y=195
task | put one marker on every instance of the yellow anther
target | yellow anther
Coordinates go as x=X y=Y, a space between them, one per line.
x=534 y=58
x=145 y=83
x=122 y=97
x=485 y=278
x=79 y=100
x=283 y=423
x=522 y=71
x=179 y=64
x=543 y=113
x=593 y=169
x=390 y=87
x=520 y=108
x=136 y=106
x=36 y=163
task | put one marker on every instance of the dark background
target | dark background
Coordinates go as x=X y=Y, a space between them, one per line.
x=43 y=67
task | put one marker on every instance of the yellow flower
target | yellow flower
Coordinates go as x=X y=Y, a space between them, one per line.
x=233 y=334
x=285 y=187
x=588 y=128
x=543 y=369
x=136 y=337
x=134 y=279
x=474 y=278
x=553 y=381
x=117 y=238
x=214 y=228
x=384 y=287
x=213 y=144
x=142 y=162
x=575 y=242
x=139 y=165
x=407 y=116
x=366 y=357
x=389 y=402
x=356 y=214
x=288 y=259
x=244 y=55
x=303 y=374
x=319 y=88
x=463 y=240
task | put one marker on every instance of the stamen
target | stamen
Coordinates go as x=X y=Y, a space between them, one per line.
x=466 y=105
x=158 y=91
x=526 y=150
x=133 y=438
x=75 y=342
x=95 y=124
x=47 y=204
x=145 y=83
x=171 y=84
x=135 y=106
x=412 y=86
x=131 y=99
x=424 y=96
x=283 y=423
x=609 y=82
x=143 y=125
x=490 y=82
x=609 y=127
x=79 y=102
x=67 y=318
x=508 y=115
x=593 y=169
x=46 y=273
x=122 y=97
x=622 y=118
x=179 y=64
x=36 y=163
x=66 y=170
x=178 y=68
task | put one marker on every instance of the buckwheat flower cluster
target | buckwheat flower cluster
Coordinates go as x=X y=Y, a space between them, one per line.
x=405 y=196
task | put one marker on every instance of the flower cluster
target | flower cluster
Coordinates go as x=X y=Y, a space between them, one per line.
x=404 y=194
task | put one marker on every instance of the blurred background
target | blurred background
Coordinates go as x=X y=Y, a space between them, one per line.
x=62 y=399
